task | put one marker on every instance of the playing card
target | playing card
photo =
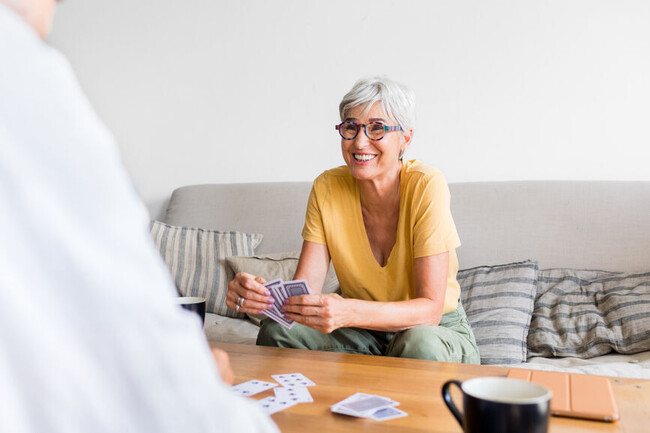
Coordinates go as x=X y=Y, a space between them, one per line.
x=388 y=413
x=292 y=380
x=360 y=396
x=360 y=401
x=367 y=405
x=279 y=295
x=296 y=287
x=252 y=387
x=337 y=409
x=278 y=317
x=272 y=405
x=275 y=287
x=281 y=290
x=299 y=393
x=282 y=293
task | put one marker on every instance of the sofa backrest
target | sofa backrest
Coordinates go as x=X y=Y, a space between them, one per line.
x=577 y=224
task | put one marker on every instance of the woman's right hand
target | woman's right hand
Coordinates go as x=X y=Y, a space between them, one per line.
x=247 y=294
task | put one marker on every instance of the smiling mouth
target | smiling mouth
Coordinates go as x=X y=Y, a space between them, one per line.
x=363 y=157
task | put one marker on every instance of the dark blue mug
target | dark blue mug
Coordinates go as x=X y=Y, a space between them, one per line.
x=500 y=405
x=194 y=304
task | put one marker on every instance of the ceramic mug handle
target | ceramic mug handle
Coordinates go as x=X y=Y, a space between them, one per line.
x=448 y=401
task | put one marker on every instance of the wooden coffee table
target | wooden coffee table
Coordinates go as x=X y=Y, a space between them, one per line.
x=414 y=383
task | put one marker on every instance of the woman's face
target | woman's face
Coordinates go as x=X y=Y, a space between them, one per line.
x=373 y=159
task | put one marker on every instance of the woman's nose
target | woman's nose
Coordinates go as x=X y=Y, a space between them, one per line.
x=361 y=140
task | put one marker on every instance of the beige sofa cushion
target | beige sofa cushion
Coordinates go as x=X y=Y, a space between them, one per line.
x=220 y=329
x=570 y=224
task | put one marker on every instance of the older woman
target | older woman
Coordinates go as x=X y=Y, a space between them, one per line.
x=387 y=227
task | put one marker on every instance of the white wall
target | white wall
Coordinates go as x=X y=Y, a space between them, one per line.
x=244 y=91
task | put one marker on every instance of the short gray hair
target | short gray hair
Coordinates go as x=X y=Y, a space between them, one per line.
x=397 y=100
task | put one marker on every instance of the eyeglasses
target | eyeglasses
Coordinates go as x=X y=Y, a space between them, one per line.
x=373 y=130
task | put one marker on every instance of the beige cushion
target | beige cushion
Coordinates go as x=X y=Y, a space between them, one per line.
x=196 y=260
x=569 y=224
x=220 y=329
x=582 y=314
x=273 y=266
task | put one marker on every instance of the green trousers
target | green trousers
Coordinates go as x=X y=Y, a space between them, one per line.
x=451 y=341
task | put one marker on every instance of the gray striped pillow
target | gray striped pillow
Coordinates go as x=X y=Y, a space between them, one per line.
x=196 y=259
x=498 y=301
x=583 y=314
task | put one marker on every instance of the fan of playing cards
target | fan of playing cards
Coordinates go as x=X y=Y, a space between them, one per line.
x=294 y=390
x=281 y=290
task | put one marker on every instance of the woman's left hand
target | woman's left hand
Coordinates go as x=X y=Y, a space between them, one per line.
x=324 y=313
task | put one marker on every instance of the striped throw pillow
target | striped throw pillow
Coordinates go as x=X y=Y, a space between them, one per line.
x=196 y=259
x=498 y=301
x=583 y=314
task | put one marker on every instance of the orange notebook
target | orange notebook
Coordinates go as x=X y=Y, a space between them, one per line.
x=574 y=395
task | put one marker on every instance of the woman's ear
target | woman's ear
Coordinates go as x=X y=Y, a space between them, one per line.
x=408 y=136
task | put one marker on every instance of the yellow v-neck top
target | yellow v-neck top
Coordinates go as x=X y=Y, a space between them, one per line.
x=425 y=228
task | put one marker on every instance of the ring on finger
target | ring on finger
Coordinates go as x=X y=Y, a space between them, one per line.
x=237 y=308
x=240 y=301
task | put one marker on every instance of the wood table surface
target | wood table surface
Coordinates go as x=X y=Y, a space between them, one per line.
x=416 y=384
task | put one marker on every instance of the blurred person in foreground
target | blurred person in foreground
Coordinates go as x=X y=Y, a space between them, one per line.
x=89 y=338
x=386 y=225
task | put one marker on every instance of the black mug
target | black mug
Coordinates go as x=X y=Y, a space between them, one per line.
x=500 y=405
x=194 y=304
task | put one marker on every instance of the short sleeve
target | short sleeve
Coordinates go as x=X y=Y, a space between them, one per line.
x=434 y=230
x=313 y=230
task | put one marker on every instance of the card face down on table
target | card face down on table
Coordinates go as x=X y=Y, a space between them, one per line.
x=362 y=405
x=574 y=395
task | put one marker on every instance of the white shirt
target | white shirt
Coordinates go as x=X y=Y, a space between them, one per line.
x=89 y=338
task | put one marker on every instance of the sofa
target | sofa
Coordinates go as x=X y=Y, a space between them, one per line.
x=555 y=275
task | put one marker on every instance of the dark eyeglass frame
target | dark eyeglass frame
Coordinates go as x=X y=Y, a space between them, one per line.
x=358 y=126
